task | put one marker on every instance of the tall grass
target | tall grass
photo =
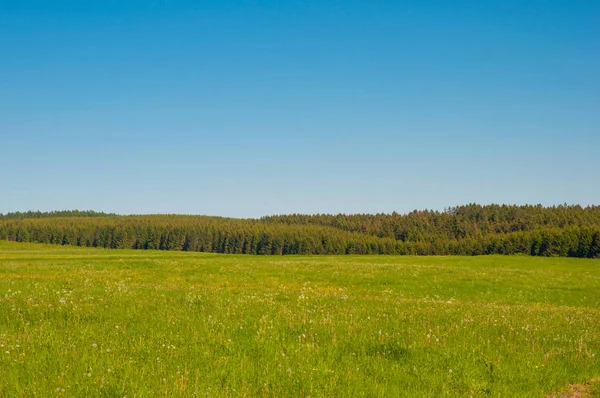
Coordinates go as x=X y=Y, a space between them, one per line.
x=102 y=323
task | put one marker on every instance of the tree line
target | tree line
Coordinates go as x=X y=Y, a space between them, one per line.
x=570 y=231
x=53 y=214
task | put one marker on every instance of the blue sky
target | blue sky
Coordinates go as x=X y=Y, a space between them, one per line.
x=251 y=108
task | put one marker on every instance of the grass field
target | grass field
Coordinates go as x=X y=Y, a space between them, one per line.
x=101 y=323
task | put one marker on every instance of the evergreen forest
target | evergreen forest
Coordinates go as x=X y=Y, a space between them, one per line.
x=565 y=231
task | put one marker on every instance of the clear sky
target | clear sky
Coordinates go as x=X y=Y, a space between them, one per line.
x=243 y=109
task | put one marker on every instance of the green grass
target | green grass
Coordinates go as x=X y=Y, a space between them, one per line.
x=101 y=323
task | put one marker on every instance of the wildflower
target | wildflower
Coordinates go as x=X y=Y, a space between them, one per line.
x=450 y=371
x=94 y=345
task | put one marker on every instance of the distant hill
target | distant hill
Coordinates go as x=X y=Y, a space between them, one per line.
x=53 y=214
x=472 y=229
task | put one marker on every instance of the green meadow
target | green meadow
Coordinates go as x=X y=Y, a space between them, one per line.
x=113 y=323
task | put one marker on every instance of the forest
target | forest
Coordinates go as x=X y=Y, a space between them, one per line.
x=565 y=231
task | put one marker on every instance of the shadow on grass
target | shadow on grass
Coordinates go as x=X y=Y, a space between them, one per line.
x=391 y=352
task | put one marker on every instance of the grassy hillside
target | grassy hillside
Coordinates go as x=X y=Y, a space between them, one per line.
x=94 y=322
